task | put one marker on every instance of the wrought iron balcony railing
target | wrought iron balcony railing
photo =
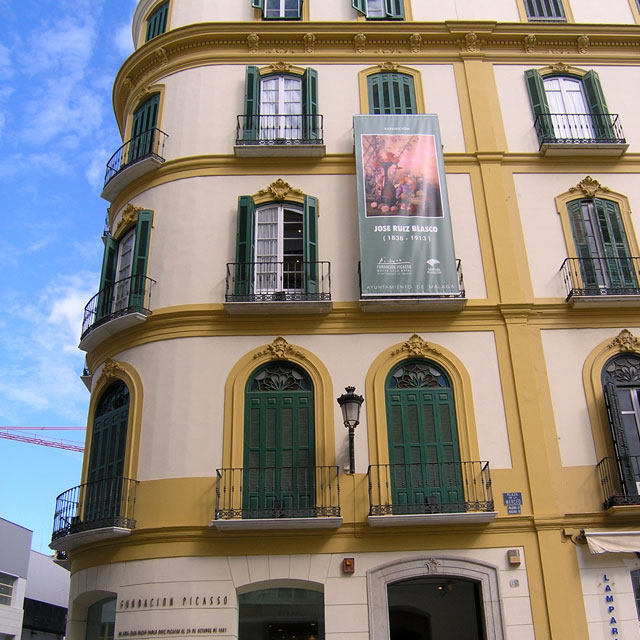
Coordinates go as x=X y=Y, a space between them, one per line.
x=601 y=276
x=620 y=480
x=579 y=128
x=430 y=487
x=461 y=293
x=277 y=492
x=94 y=505
x=286 y=281
x=279 y=129
x=129 y=295
x=149 y=143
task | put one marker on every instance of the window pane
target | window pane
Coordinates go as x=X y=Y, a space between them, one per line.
x=375 y=9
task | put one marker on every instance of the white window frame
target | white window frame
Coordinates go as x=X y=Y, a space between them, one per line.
x=279 y=8
x=7 y=583
x=283 y=125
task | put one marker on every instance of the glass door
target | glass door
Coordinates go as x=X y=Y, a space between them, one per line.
x=281 y=108
x=569 y=112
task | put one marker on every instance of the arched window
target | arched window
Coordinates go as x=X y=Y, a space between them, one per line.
x=106 y=490
x=424 y=454
x=157 y=21
x=391 y=93
x=279 y=443
x=282 y=612
x=621 y=387
x=101 y=620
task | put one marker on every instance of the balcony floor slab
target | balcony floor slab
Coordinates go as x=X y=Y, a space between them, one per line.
x=614 y=149
x=270 y=524
x=426 y=519
x=290 y=307
x=417 y=305
x=603 y=301
x=73 y=540
x=98 y=335
x=128 y=174
x=279 y=150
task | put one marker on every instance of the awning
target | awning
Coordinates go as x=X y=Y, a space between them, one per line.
x=613 y=541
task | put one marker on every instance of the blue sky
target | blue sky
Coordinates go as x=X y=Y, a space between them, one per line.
x=58 y=59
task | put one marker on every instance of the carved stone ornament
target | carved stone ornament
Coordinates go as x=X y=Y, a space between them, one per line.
x=589 y=186
x=530 y=42
x=560 y=67
x=280 y=67
x=625 y=341
x=128 y=85
x=279 y=190
x=111 y=369
x=161 y=56
x=128 y=218
x=431 y=565
x=472 y=42
x=360 y=42
x=416 y=347
x=253 y=40
x=583 y=43
x=309 y=42
x=415 y=42
x=279 y=349
x=388 y=66
x=144 y=93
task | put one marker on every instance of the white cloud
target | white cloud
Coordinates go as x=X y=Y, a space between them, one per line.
x=51 y=162
x=123 y=40
x=96 y=168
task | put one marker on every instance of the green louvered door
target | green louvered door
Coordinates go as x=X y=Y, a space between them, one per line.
x=391 y=93
x=601 y=246
x=424 y=456
x=103 y=493
x=279 y=456
x=143 y=129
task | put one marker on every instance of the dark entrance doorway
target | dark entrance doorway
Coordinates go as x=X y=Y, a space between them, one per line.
x=435 y=608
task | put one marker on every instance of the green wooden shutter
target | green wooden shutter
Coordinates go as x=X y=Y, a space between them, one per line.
x=257 y=4
x=597 y=106
x=394 y=9
x=614 y=241
x=157 y=22
x=310 y=105
x=539 y=105
x=140 y=257
x=251 y=104
x=391 y=93
x=245 y=255
x=143 y=128
x=107 y=278
x=587 y=261
x=619 y=437
x=310 y=235
x=360 y=5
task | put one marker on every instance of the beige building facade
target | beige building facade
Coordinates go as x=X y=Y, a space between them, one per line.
x=496 y=486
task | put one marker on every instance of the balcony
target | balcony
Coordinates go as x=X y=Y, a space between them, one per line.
x=277 y=498
x=287 y=287
x=430 y=493
x=279 y=135
x=580 y=134
x=620 y=481
x=133 y=159
x=601 y=282
x=94 y=511
x=120 y=305
x=415 y=303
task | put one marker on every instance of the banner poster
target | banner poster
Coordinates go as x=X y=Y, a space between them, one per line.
x=406 y=242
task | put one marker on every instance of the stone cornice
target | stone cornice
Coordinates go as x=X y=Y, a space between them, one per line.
x=369 y=42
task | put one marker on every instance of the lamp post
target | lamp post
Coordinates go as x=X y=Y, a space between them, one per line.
x=350 y=404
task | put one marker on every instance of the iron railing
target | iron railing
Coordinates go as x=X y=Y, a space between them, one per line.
x=620 y=480
x=149 y=143
x=129 y=295
x=601 y=277
x=288 y=280
x=94 y=505
x=426 y=295
x=579 y=128
x=279 y=129
x=277 y=492
x=429 y=487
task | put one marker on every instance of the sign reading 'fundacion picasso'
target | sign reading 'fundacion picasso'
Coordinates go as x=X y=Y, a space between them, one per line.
x=406 y=242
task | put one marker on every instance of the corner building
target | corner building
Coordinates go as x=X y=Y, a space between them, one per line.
x=496 y=488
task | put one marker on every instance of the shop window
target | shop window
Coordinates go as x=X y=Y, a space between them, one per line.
x=101 y=620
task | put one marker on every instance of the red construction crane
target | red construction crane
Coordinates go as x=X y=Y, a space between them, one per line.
x=57 y=443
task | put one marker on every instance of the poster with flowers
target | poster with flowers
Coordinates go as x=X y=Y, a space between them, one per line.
x=406 y=241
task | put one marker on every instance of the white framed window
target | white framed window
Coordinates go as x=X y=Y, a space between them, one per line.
x=281 y=108
x=279 y=9
x=6 y=589
x=570 y=115
x=123 y=270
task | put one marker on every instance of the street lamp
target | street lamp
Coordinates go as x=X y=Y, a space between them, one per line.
x=350 y=404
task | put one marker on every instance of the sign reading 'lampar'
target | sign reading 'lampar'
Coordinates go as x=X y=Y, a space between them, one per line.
x=406 y=242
